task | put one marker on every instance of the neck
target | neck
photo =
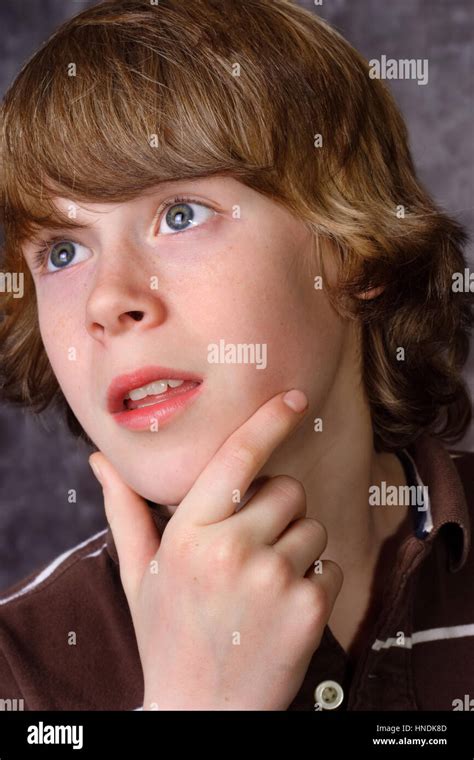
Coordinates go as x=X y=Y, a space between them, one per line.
x=336 y=468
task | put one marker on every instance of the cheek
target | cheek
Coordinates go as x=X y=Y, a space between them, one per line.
x=301 y=350
x=295 y=333
x=54 y=329
x=65 y=347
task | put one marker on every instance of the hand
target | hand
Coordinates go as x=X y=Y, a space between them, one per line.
x=227 y=608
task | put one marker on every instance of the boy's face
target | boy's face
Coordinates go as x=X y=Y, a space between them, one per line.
x=237 y=276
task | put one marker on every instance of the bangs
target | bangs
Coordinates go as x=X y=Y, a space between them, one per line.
x=126 y=98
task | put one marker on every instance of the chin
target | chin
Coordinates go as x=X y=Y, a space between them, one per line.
x=170 y=498
x=161 y=488
x=163 y=477
x=170 y=495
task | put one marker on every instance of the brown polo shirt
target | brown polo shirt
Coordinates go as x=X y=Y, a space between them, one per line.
x=67 y=641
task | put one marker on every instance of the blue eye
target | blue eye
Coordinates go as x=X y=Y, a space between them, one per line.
x=59 y=254
x=62 y=254
x=182 y=216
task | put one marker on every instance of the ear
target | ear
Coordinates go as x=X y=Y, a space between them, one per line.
x=367 y=295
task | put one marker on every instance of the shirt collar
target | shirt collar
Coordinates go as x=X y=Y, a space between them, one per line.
x=447 y=505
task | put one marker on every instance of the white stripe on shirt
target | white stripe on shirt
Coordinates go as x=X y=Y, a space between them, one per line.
x=49 y=569
x=421 y=637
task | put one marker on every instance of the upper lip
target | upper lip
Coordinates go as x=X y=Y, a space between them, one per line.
x=122 y=384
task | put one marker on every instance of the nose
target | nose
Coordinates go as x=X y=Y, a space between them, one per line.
x=122 y=298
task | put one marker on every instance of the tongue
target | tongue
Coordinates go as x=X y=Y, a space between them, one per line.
x=157 y=398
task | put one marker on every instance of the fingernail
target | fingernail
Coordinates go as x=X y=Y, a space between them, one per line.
x=96 y=471
x=296 y=400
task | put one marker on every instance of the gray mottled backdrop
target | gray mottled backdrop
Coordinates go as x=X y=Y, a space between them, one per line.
x=39 y=460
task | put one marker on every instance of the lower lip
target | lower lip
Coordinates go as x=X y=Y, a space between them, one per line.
x=156 y=416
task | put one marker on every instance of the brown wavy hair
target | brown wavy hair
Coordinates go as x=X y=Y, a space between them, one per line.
x=241 y=89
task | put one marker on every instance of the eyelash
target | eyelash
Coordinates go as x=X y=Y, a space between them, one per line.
x=40 y=256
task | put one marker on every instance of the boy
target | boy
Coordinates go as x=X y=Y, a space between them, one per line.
x=255 y=328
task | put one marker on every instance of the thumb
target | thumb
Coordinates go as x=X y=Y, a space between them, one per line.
x=135 y=535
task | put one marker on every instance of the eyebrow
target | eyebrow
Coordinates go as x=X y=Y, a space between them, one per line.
x=42 y=233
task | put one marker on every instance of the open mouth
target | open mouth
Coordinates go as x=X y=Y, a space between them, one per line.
x=152 y=397
x=157 y=392
x=149 y=386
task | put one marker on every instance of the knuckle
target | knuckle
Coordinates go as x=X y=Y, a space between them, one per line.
x=241 y=456
x=335 y=569
x=225 y=554
x=272 y=571
x=315 y=602
x=289 y=487
x=315 y=527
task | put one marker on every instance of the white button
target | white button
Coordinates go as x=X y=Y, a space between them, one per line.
x=329 y=695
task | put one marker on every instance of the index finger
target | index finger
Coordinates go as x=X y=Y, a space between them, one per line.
x=240 y=458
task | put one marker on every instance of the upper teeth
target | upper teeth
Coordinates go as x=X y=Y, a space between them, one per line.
x=152 y=389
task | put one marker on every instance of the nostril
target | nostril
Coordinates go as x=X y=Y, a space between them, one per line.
x=136 y=315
